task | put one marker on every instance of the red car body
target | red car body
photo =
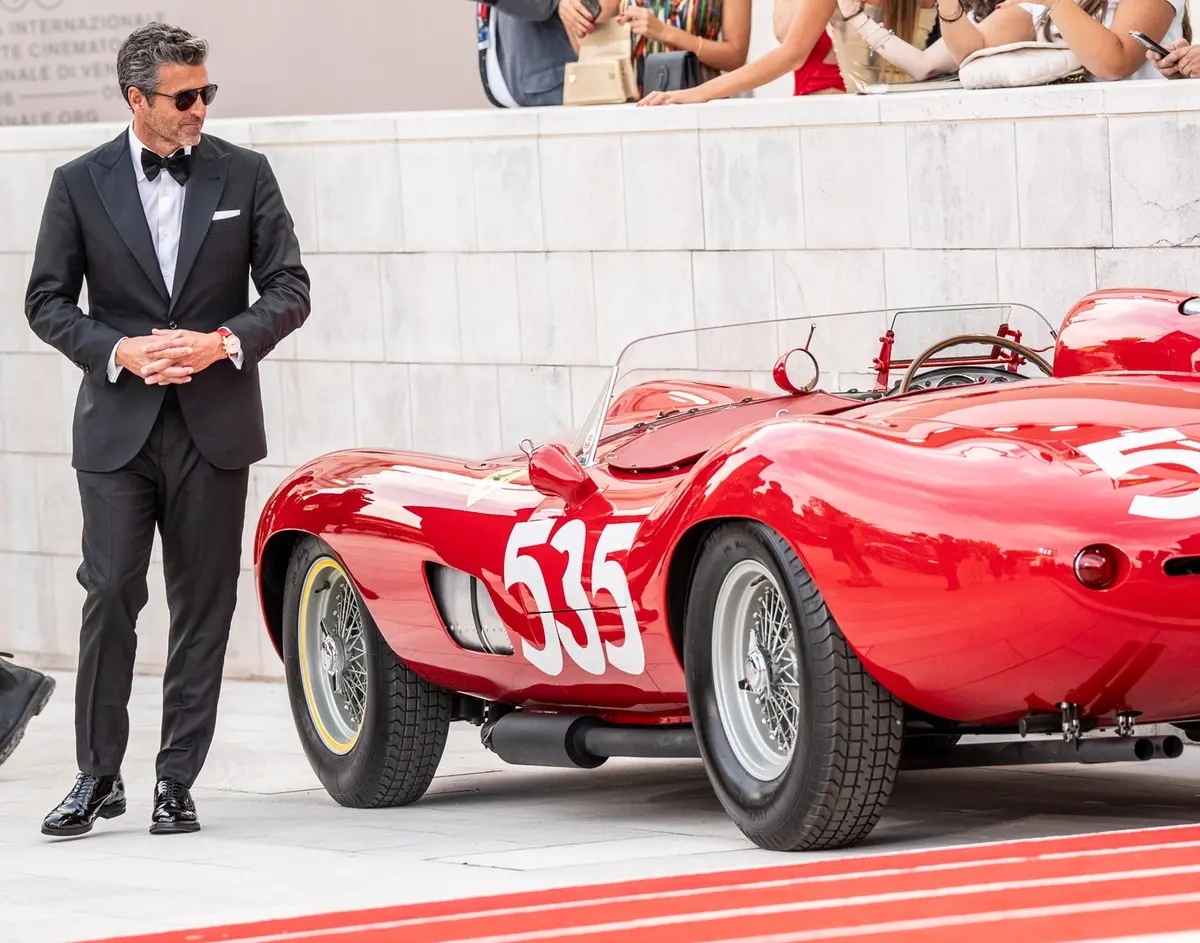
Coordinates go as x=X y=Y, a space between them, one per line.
x=944 y=529
x=920 y=479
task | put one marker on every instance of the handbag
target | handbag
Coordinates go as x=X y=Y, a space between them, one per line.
x=603 y=74
x=1017 y=65
x=671 y=71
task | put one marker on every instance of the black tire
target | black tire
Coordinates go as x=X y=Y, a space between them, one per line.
x=840 y=775
x=405 y=720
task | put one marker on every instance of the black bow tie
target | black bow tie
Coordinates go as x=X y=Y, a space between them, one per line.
x=177 y=165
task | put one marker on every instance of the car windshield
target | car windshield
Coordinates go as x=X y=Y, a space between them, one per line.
x=848 y=348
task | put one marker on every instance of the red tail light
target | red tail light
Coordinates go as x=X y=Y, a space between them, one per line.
x=1098 y=566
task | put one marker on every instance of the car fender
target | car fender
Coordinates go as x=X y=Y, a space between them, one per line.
x=384 y=513
x=946 y=553
x=828 y=487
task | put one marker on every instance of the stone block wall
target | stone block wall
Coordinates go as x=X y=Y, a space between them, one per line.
x=474 y=272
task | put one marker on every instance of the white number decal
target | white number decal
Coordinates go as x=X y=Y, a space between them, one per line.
x=518 y=569
x=607 y=574
x=1116 y=458
x=589 y=657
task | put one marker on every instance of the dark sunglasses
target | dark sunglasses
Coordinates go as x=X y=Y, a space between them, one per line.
x=185 y=99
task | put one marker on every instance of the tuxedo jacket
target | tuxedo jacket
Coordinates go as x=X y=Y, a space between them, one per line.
x=94 y=228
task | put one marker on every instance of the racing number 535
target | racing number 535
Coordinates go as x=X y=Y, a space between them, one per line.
x=1116 y=458
x=607 y=574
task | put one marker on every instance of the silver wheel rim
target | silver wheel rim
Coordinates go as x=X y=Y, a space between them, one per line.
x=333 y=655
x=756 y=670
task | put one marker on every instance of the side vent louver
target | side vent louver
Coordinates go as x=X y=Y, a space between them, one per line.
x=467 y=611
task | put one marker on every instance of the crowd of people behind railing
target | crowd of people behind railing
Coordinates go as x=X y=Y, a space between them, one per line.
x=555 y=52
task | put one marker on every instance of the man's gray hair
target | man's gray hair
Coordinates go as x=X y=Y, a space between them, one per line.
x=151 y=46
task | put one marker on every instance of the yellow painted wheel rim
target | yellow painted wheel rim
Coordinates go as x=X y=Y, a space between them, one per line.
x=332 y=649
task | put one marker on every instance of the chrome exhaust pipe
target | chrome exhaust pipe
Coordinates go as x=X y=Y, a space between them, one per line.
x=1168 y=747
x=1115 y=750
x=581 y=742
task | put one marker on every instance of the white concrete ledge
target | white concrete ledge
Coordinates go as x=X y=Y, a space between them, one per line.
x=473 y=272
x=896 y=107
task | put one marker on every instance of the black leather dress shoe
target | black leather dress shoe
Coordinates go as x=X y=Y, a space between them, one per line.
x=23 y=694
x=174 y=810
x=93 y=797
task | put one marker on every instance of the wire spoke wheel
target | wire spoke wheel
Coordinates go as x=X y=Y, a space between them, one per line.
x=372 y=729
x=756 y=670
x=800 y=743
x=333 y=655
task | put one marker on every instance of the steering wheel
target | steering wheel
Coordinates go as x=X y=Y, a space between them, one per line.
x=1020 y=349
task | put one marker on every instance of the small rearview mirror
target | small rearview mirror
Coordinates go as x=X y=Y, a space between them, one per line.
x=556 y=472
x=797 y=371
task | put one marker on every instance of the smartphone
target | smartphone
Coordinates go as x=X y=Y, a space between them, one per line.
x=592 y=6
x=1148 y=42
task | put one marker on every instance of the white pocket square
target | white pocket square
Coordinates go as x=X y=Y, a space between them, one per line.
x=225 y=214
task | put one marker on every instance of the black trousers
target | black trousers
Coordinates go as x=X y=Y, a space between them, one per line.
x=199 y=510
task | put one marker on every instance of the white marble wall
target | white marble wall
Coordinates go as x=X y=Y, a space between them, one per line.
x=474 y=271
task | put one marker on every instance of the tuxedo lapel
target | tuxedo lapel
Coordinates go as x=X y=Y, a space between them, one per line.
x=206 y=183
x=117 y=186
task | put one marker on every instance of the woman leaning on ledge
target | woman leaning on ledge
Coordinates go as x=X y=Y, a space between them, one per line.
x=717 y=31
x=805 y=37
x=840 y=59
x=1097 y=31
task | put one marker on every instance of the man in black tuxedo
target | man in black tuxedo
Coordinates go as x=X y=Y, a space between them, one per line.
x=165 y=224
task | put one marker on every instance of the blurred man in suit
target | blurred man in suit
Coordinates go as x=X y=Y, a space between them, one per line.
x=166 y=224
x=533 y=46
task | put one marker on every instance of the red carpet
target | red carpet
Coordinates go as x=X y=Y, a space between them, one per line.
x=1090 y=887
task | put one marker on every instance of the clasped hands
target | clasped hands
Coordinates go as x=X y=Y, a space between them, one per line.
x=169 y=356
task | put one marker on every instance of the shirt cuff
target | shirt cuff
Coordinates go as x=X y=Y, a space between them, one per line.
x=114 y=368
x=241 y=354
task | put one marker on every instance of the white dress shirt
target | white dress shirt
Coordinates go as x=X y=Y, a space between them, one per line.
x=162 y=202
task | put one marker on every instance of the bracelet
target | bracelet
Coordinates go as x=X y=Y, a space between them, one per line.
x=847 y=19
x=870 y=37
x=699 y=45
x=961 y=14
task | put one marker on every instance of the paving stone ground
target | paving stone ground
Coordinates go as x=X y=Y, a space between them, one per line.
x=273 y=844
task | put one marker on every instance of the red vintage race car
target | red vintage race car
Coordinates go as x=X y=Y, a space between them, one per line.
x=992 y=528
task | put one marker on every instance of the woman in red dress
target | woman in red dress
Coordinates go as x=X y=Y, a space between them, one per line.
x=820 y=74
x=804 y=47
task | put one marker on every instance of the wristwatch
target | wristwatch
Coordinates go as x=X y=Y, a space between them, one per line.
x=230 y=342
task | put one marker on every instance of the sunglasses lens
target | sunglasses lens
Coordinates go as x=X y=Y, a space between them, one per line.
x=185 y=100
